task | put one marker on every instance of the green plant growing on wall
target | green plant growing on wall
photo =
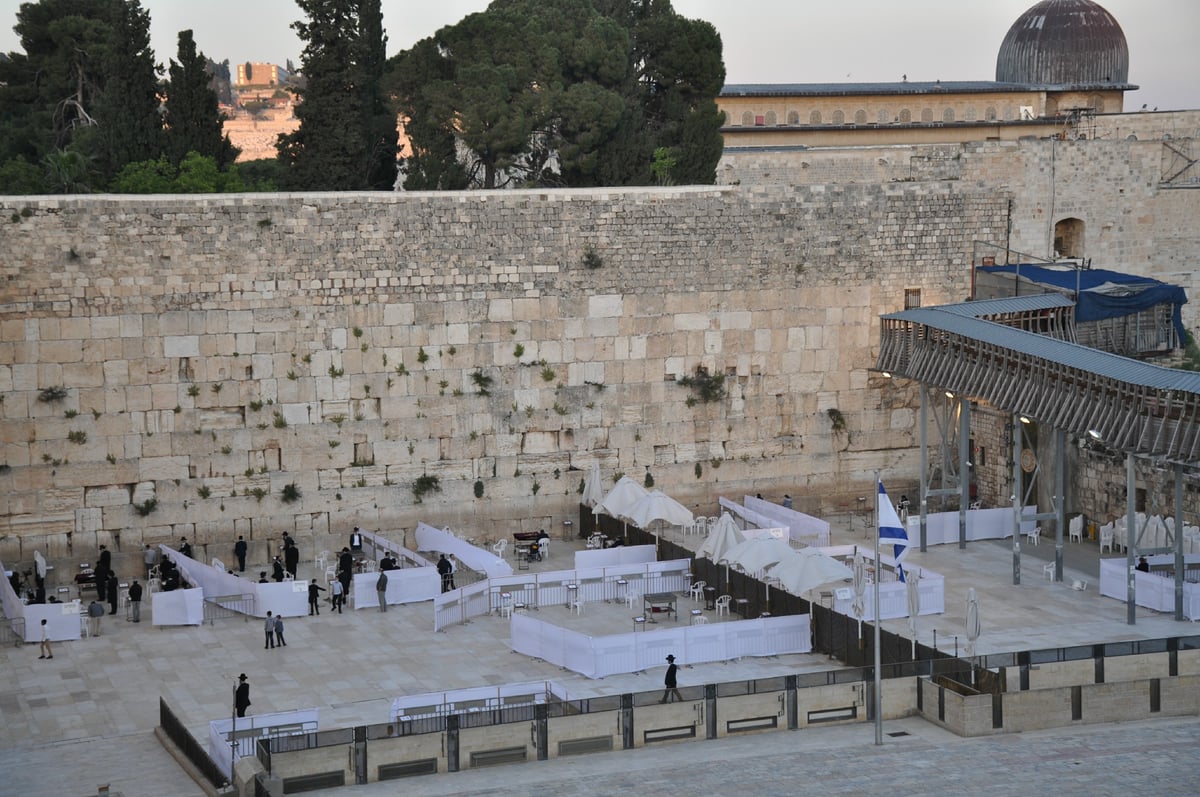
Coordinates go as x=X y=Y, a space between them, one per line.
x=216 y=387
x=401 y=370
x=648 y=482
x=560 y=409
x=836 y=419
x=482 y=381
x=334 y=443
x=112 y=460
x=422 y=357
x=306 y=359
x=452 y=350
x=226 y=449
x=95 y=413
x=146 y=507
x=77 y=436
x=259 y=493
x=518 y=351
x=56 y=393
x=280 y=421
x=536 y=487
x=705 y=387
x=193 y=390
x=479 y=488
x=358 y=333
x=338 y=419
x=290 y=494
x=71 y=413
x=203 y=491
x=591 y=259
x=424 y=485
x=548 y=374
x=256 y=405
x=291 y=374
x=335 y=372
x=699 y=470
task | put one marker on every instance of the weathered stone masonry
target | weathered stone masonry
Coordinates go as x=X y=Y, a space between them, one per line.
x=215 y=349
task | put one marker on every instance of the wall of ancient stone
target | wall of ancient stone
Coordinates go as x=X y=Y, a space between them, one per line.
x=171 y=366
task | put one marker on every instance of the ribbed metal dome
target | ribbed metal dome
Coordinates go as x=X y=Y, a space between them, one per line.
x=1070 y=42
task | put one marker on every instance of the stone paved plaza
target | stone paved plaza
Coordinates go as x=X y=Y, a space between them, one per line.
x=86 y=718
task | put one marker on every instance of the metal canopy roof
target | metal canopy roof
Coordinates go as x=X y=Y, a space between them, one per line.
x=1012 y=354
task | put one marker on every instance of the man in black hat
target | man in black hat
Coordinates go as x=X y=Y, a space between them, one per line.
x=241 y=700
x=669 y=681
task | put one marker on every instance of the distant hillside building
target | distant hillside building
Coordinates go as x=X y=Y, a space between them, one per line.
x=1061 y=59
x=254 y=74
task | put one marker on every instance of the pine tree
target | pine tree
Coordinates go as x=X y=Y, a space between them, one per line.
x=343 y=143
x=193 y=119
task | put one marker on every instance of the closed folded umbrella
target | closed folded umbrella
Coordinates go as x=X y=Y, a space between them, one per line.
x=912 y=585
x=723 y=536
x=973 y=626
x=593 y=490
x=859 y=606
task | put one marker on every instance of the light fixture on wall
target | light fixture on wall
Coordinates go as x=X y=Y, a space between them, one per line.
x=1025 y=420
x=949 y=395
x=886 y=374
x=1092 y=433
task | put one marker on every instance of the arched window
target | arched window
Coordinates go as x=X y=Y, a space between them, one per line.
x=747 y=119
x=926 y=114
x=905 y=115
x=1068 y=238
x=793 y=118
x=972 y=114
x=990 y=114
x=884 y=116
x=948 y=115
x=814 y=118
x=839 y=118
x=770 y=119
x=860 y=117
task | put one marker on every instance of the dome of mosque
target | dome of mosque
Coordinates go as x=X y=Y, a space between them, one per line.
x=1064 y=42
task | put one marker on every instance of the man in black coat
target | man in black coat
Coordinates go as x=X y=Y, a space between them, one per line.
x=105 y=559
x=241 y=699
x=291 y=557
x=345 y=570
x=314 y=597
x=669 y=682
x=443 y=568
x=112 y=592
x=185 y=547
x=135 y=601
x=239 y=550
x=277 y=567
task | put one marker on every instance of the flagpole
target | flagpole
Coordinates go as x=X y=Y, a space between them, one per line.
x=878 y=676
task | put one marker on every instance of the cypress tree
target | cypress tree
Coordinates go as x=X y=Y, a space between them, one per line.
x=193 y=118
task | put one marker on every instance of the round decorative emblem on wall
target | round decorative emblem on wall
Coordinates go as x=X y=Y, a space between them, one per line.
x=1028 y=460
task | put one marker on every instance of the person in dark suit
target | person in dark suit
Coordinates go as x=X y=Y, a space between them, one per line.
x=443 y=568
x=291 y=557
x=111 y=590
x=185 y=547
x=356 y=539
x=241 y=698
x=314 y=598
x=669 y=682
x=239 y=550
x=135 y=601
x=277 y=566
x=105 y=558
x=345 y=570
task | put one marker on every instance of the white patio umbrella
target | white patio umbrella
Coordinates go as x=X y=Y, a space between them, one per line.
x=593 y=490
x=912 y=584
x=808 y=569
x=621 y=498
x=659 y=506
x=756 y=554
x=859 y=606
x=723 y=536
x=973 y=627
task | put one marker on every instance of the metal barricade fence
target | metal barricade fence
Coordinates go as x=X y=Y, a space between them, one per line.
x=221 y=606
x=12 y=632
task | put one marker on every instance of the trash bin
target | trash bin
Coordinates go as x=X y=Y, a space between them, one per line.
x=710 y=598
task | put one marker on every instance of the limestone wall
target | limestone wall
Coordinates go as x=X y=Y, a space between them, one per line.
x=213 y=351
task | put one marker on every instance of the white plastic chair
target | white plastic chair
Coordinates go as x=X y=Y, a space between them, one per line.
x=1048 y=571
x=697 y=590
x=1106 y=537
x=1034 y=535
x=723 y=604
x=577 y=605
x=1075 y=528
x=701 y=620
x=544 y=547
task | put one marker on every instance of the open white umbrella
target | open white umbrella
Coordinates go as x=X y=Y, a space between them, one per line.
x=808 y=569
x=593 y=490
x=621 y=498
x=659 y=506
x=723 y=536
x=973 y=627
x=913 y=584
x=859 y=606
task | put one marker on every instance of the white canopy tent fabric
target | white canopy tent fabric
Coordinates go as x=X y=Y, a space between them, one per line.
x=723 y=536
x=658 y=506
x=753 y=556
x=808 y=569
x=593 y=490
x=973 y=625
x=621 y=498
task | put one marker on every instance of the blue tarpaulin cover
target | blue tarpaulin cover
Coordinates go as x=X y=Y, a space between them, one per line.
x=1103 y=293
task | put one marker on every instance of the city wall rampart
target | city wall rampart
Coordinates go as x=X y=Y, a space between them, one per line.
x=222 y=365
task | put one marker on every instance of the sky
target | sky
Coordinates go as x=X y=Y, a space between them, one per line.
x=765 y=41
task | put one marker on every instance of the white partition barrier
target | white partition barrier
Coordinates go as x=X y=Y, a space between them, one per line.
x=597 y=657
x=800 y=527
x=178 y=607
x=478 y=698
x=893 y=593
x=406 y=585
x=458 y=605
x=1154 y=590
x=375 y=546
x=941 y=528
x=246 y=731
x=62 y=621
x=474 y=557
x=620 y=555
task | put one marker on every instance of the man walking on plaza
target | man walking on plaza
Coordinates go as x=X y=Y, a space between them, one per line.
x=669 y=682
x=381 y=591
x=314 y=597
x=269 y=627
x=241 y=699
x=339 y=597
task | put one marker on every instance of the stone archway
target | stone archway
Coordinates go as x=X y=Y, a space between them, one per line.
x=1068 y=238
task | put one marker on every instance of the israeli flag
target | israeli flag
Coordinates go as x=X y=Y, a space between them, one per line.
x=891 y=530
